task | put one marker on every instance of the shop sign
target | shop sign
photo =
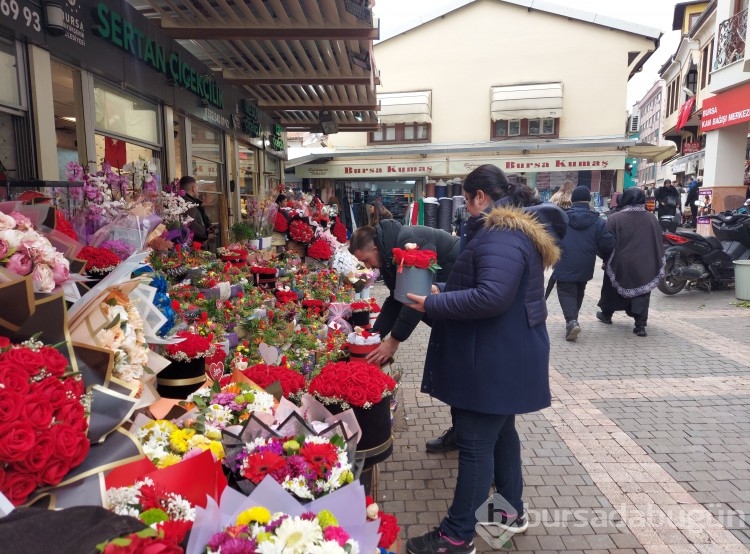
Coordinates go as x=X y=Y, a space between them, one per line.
x=691 y=147
x=23 y=17
x=726 y=108
x=372 y=170
x=277 y=137
x=540 y=164
x=118 y=31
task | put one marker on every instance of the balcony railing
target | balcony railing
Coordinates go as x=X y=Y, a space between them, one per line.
x=731 y=40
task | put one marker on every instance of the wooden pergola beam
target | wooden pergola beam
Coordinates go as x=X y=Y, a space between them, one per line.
x=242 y=79
x=329 y=106
x=177 y=29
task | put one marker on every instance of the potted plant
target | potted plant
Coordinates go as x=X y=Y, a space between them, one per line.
x=244 y=233
x=415 y=271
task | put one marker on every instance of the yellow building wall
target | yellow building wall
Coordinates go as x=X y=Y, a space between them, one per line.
x=461 y=56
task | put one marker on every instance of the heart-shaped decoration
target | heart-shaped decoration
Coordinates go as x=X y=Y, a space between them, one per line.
x=270 y=354
x=215 y=370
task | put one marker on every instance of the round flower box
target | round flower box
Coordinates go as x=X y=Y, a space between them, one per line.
x=414 y=280
x=359 y=319
x=179 y=379
x=361 y=350
x=376 y=444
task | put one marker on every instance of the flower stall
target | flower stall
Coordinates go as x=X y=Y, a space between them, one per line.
x=173 y=385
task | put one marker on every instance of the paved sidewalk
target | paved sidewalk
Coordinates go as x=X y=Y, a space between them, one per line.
x=646 y=447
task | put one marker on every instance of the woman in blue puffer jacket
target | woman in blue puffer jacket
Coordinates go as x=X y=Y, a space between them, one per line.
x=488 y=355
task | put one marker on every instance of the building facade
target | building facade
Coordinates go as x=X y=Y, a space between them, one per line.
x=726 y=115
x=458 y=93
x=687 y=77
x=651 y=113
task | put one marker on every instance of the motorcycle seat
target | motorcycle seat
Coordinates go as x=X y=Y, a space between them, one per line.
x=714 y=242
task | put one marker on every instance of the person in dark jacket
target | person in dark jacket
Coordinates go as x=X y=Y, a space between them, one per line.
x=636 y=264
x=374 y=246
x=492 y=302
x=692 y=198
x=201 y=224
x=587 y=236
x=667 y=199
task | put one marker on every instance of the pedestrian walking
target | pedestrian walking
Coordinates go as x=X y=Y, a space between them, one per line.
x=667 y=199
x=586 y=237
x=493 y=301
x=374 y=246
x=691 y=201
x=636 y=263
x=562 y=196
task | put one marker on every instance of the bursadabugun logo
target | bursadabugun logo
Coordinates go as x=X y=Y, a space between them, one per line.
x=493 y=519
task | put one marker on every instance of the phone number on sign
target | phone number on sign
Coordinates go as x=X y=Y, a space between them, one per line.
x=27 y=15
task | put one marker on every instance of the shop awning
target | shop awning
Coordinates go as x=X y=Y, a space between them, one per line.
x=527 y=101
x=405 y=107
x=653 y=152
x=297 y=60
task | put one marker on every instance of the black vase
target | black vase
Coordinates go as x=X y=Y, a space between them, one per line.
x=376 y=443
x=359 y=319
x=179 y=379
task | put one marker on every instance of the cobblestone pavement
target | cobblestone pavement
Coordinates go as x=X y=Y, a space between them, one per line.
x=646 y=447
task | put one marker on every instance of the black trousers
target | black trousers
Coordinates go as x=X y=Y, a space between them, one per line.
x=570 y=295
x=611 y=302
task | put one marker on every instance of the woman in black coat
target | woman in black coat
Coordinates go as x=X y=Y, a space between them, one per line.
x=636 y=264
x=492 y=302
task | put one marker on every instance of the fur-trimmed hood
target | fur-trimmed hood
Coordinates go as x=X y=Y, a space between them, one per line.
x=504 y=217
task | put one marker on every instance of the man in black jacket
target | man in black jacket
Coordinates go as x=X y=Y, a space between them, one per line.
x=201 y=224
x=667 y=199
x=587 y=236
x=374 y=246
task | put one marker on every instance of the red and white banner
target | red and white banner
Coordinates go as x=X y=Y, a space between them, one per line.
x=726 y=108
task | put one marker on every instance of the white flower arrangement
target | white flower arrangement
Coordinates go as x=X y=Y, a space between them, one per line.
x=124 y=336
x=128 y=501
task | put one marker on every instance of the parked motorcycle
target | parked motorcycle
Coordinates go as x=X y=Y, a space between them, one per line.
x=693 y=260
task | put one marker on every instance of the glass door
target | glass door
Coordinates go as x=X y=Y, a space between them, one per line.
x=207 y=166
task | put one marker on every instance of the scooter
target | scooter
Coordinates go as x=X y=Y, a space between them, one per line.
x=693 y=260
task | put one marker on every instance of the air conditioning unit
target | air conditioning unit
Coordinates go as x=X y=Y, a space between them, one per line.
x=633 y=123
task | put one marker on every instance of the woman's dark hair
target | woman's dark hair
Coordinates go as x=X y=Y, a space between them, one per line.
x=630 y=197
x=280 y=198
x=379 y=213
x=492 y=181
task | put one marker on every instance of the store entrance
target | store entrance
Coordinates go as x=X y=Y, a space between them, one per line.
x=395 y=197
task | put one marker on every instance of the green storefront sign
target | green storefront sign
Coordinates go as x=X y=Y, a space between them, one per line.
x=121 y=33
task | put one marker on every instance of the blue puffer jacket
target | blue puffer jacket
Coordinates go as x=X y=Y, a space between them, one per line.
x=489 y=348
x=587 y=236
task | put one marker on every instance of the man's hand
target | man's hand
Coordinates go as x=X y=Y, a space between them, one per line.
x=385 y=351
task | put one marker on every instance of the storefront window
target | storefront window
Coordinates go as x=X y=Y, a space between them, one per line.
x=248 y=175
x=118 y=152
x=66 y=104
x=126 y=115
x=207 y=168
x=10 y=91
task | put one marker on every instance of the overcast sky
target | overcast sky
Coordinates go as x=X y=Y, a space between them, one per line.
x=652 y=13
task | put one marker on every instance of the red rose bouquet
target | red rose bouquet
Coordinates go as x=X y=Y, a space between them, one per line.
x=99 y=261
x=313 y=306
x=356 y=384
x=194 y=346
x=266 y=271
x=292 y=383
x=43 y=423
x=301 y=231
x=339 y=231
x=422 y=259
x=360 y=306
x=286 y=296
x=320 y=250
x=280 y=222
